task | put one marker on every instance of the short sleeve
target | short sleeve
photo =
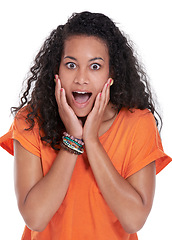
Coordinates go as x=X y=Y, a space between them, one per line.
x=146 y=146
x=29 y=139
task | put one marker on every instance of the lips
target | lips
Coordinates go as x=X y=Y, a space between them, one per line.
x=81 y=97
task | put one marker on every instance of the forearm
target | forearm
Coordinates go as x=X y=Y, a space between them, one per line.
x=124 y=201
x=44 y=199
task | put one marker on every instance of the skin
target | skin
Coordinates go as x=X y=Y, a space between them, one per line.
x=40 y=197
x=84 y=69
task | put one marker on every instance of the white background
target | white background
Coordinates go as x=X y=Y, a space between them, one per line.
x=23 y=27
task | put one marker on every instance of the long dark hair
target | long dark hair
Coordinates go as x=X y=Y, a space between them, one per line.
x=130 y=88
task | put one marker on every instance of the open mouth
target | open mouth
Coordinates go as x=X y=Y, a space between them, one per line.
x=81 y=97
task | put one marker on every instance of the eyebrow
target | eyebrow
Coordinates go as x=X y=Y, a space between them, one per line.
x=93 y=59
x=96 y=58
x=70 y=58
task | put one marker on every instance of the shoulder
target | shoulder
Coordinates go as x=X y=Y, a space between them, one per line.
x=19 y=130
x=134 y=116
x=140 y=126
x=23 y=120
x=136 y=122
x=135 y=113
x=28 y=137
x=22 y=125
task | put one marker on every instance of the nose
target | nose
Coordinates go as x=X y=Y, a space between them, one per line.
x=81 y=77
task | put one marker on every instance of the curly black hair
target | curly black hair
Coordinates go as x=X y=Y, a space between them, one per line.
x=130 y=88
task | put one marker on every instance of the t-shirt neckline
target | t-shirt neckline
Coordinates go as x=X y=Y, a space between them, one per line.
x=109 y=130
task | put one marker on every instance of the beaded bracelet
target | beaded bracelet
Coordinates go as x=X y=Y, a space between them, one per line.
x=71 y=147
x=80 y=141
x=68 y=149
x=72 y=144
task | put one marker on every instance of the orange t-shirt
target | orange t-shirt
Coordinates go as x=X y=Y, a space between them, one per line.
x=132 y=142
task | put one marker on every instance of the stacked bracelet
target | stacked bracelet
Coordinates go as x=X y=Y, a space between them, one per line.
x=72 y=144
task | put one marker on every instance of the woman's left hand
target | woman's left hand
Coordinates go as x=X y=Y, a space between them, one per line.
x=94 y=119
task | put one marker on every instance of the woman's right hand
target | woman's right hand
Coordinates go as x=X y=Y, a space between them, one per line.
x=71 y=122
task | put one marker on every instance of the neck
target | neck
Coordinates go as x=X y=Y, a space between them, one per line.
x=109 y=114
x=83 y=119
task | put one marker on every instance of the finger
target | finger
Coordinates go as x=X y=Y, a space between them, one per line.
x=56 y=78
x=69 y=118
x=107 y=93
x=97 y=102
x=63 y=101
x=57 y=90
x=103 y=99
x=100 y=100
x=63 y=97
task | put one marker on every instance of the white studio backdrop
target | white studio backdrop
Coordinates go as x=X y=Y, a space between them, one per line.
x=23 y=27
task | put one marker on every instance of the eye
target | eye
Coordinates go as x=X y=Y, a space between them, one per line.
x=71 y=65
x=95 y=66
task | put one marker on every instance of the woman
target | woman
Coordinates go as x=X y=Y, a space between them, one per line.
x=86 y=144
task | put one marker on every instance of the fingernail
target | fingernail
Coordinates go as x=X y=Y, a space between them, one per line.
x=111 y=81
x=100 y=94
x=61 y=89
x=56 y=76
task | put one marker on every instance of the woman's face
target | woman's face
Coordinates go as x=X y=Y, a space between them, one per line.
x=84 y=69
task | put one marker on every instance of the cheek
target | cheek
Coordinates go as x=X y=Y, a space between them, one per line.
x=61 y=71
x=98 y=88
x=64 y=77
x=102 y=81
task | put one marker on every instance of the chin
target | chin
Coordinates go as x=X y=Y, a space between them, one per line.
x=82 y=113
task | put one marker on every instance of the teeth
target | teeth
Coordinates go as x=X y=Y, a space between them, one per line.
x=80 y=92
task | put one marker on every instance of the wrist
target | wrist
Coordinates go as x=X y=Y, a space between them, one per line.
x=74 y=133
x=72 y=144
x=91 y=142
